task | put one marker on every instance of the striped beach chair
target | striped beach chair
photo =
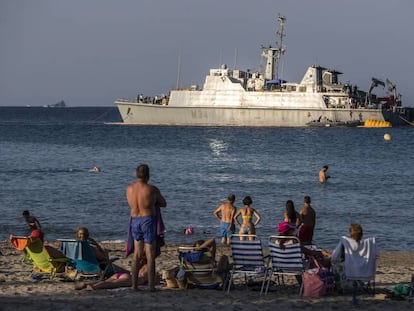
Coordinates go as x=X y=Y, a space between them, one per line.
x=248 y=259
x=199 y=267
x=286 y=260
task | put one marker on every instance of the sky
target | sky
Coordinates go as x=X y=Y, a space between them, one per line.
x=92 y=52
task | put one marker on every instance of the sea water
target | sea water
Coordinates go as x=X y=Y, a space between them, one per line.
x=46 y=155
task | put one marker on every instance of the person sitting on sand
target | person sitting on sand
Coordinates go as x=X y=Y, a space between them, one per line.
x=82 y=234
x=247 y=226
x=119 y=279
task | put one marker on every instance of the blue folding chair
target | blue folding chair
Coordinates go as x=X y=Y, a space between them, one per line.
x=284 y=260
x=248 y=259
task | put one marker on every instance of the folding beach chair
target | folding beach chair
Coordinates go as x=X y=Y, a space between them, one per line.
x=248 y=259
x=199 y=267
x=360 y=261
x=37 y=255
x=284 y=261
x=83 y=259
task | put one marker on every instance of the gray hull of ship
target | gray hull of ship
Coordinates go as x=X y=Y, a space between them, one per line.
x=149 y=114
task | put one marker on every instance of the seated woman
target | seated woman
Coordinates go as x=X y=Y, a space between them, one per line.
x=288 y=229
x=119 y=279
x=338 y=254
x=353 y=258
x=82 y=234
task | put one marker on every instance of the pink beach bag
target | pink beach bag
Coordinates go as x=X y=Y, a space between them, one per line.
x=317 y=282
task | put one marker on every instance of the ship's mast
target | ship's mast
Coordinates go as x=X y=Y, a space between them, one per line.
x=272 y=54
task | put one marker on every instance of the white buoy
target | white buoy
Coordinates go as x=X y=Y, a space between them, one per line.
x=387 y=136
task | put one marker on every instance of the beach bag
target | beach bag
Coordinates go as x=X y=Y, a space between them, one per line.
x=318 y=281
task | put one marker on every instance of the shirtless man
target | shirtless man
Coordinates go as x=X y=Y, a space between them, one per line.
x=225 y=214
x=307 y=217
x=142 y=199
x=323 y=178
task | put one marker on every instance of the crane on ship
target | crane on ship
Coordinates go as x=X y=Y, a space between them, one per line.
x=374 y=83
x=392 y=88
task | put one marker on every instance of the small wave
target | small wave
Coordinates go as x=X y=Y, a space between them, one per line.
x=113 y=241
x=44 y=170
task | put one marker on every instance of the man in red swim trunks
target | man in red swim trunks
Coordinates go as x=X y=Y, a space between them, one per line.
x=307 y=216
x=142 y=199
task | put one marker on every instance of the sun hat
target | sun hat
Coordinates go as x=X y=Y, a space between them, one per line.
x=285 y=226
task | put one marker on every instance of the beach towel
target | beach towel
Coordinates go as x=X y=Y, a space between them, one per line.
x=82 y=255
x=360 y=257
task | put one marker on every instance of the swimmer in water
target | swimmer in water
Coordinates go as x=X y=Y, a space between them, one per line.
x=96 y=169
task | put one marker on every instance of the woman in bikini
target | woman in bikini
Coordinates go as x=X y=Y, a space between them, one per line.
x=247 y=226
x=121 y=278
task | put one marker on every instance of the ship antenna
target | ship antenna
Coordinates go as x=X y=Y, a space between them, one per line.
x=273 y=54
x=178 y=71
x=279 y=49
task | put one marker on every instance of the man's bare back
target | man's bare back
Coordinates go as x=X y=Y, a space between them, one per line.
x=227 y=211
x=225 y=214
x=307 y=215
x=142 y=198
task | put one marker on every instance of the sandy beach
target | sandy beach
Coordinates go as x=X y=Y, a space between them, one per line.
x=18 y=292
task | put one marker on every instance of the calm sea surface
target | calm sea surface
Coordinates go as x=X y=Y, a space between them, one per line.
x=46 y=154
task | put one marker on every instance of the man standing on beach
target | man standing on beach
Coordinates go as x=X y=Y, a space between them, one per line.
x=142 y=200
x=225 y=214
x=307 y=216
x=323 y=178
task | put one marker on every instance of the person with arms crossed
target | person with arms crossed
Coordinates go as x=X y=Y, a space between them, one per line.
x=142 y=200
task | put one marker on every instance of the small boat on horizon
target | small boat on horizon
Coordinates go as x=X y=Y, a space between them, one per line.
x=59 y=104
